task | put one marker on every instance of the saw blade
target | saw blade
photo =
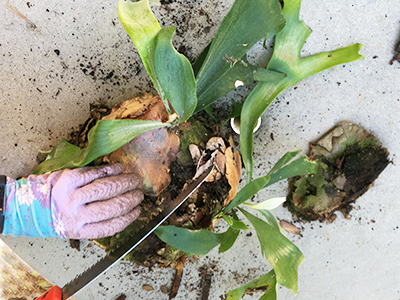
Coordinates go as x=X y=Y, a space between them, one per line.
x=114 y=257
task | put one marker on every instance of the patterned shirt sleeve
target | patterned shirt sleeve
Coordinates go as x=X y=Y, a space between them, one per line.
x=29 y=210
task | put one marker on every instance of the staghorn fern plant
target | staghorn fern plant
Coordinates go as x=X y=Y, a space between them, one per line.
x=186 y=90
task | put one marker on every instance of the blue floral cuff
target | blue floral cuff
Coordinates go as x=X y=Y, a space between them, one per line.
x=29 y=210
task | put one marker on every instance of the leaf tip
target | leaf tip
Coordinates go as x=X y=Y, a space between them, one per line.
x=358 y=47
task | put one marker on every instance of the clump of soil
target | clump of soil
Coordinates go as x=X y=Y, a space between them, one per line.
x=396 y=56
x=349 y=160
x=162 y=160
x=80 y=137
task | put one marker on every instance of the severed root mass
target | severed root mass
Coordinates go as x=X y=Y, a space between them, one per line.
x=163 y=160
x=349 y=160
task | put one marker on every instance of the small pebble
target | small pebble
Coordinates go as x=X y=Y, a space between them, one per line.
x=164 y=289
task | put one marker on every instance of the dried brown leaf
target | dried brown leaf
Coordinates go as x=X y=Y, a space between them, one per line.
x=289 y=227
x=195 y=153
x=178 y=277
x=147 y=287
x=233 y=171
x=145 y=107
x=220 y=161
x=216 y=143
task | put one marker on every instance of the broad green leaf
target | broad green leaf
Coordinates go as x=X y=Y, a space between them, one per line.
x=62 y=152
x=248 y=191
x=281 y=253
x=236 y=111
x=225 y=57
x=235 y=224
x=239 y=74
x=105 y=137
x=286 y=59
x=288 y=156
x=200 y=59
x=227 y=239
x=191 y=241
x=197 y=241
x=260 y=74
x=297 y=167
x=227 y=219
x=271 y=219
x=142 y=26
x=208 y=110
x=175 y=74
x=267 y=281
x=267 y=204
x=238 y=225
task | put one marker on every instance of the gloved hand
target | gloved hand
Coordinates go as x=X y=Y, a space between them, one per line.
x=88 y=202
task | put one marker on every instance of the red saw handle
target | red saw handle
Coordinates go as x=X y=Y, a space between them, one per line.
x=55 y=293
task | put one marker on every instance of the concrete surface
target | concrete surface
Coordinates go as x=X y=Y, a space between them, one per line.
x=41 y=101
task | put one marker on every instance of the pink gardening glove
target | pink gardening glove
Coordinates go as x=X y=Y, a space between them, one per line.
x=84 y=203
x=94 y=202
